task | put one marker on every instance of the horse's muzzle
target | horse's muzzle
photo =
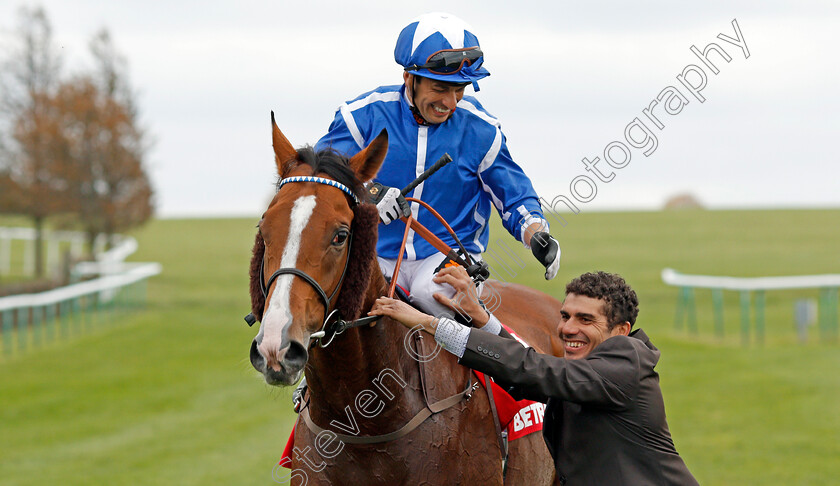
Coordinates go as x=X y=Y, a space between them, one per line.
x=281 y=367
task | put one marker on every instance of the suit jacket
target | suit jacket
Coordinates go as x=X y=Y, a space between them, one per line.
x=604 y=421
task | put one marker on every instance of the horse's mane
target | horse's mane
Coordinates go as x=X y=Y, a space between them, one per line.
x=331 y=163
x=362 y=258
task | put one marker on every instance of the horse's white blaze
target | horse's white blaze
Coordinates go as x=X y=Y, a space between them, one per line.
x=277 y=315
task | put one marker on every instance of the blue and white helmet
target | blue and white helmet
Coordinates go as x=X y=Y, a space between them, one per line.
x=441 y=46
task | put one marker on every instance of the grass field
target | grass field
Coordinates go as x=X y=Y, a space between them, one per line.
x=166 y=395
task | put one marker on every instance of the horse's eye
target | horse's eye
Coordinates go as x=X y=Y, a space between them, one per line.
x=340 y=237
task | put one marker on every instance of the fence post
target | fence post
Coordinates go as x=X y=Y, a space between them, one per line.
x=35 y=324
x=828 y=313
x=37 y=320
x=717 y=299
x=685 y=306
x=22 y=328
x=745 y=317
x=692 y=312
x=759 y=316
x=834 y=317
x=49 y=322
x=75 y=315
x=61 y=321
x=678 y=314
x=8 y=318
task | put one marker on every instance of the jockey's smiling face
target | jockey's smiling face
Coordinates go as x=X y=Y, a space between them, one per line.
x=584 y=325
x=436 y=100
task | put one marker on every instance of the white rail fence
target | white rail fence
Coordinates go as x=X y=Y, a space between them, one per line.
x=31 y=320
x=827 y=285
x=17 y=251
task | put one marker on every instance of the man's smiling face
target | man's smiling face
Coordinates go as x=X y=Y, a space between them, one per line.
x=435 y=100
x=583 y=325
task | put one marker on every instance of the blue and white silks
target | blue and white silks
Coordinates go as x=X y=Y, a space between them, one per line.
x=482 y=173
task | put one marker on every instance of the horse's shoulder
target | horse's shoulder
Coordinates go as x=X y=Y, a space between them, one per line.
x=530 y=313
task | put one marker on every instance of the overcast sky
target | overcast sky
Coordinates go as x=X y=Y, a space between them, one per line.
x=567 y=78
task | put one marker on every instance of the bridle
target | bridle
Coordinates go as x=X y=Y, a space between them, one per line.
x=333 y=324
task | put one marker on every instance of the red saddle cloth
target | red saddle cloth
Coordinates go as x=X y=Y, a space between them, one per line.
x=519 y=417
x=286 y=458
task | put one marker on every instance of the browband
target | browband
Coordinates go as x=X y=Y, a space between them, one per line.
x=319 y=180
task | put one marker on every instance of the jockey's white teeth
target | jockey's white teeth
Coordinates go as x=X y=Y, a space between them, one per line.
x=278 y=316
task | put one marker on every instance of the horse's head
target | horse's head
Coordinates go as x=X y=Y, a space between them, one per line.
x=315 y=236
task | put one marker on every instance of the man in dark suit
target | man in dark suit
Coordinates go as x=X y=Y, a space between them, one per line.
x=605 y=417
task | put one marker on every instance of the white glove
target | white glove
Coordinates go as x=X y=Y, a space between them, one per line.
x=392 y=205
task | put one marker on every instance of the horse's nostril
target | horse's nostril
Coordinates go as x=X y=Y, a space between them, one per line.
x=257 y=361
x=296 y=355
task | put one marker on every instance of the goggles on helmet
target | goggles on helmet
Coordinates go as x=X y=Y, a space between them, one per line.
x=449 y=61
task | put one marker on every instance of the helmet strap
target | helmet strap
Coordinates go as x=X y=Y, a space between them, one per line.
x=414 y=111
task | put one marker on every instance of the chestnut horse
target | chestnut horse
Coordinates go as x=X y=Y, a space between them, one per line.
x=315 y=254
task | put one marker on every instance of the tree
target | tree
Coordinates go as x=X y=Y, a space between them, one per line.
x=105 y=185
x=123 y=188
x=76 y=145
x=9 y=191
x=683 y=201
x=29 y=77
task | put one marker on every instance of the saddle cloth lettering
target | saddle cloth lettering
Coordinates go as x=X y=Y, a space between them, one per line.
x=519 y=417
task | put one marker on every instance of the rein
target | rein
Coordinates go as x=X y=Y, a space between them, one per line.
x=334 y=325
x=474 y=269
x=478 y=270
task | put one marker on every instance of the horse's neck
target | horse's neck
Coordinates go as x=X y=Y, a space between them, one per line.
x=363 y=365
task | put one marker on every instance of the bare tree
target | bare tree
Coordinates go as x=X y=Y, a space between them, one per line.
x=29 y=76
x=77 y=147
x=104 y=184
x=125 y=190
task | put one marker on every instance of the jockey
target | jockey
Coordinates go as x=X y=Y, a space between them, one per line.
x=427 y=116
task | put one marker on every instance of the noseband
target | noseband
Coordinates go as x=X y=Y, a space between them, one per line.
x=331 y=319
x=333 y=324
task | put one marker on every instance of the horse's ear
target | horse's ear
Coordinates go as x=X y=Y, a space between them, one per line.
x=283 y=150
x=367 y=162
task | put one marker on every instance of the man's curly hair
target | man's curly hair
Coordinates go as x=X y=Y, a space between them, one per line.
x=620 y=301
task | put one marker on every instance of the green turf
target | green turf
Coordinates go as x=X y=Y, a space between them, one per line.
x=166 y=395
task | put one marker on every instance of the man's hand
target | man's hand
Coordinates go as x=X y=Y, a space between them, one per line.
x=390 y=202
x=466 y=301
x=547 y=251
x=403 y=313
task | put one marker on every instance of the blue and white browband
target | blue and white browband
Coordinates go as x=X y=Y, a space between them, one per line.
x=319 y=180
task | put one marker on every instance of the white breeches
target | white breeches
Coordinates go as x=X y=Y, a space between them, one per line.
x=416 y=277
